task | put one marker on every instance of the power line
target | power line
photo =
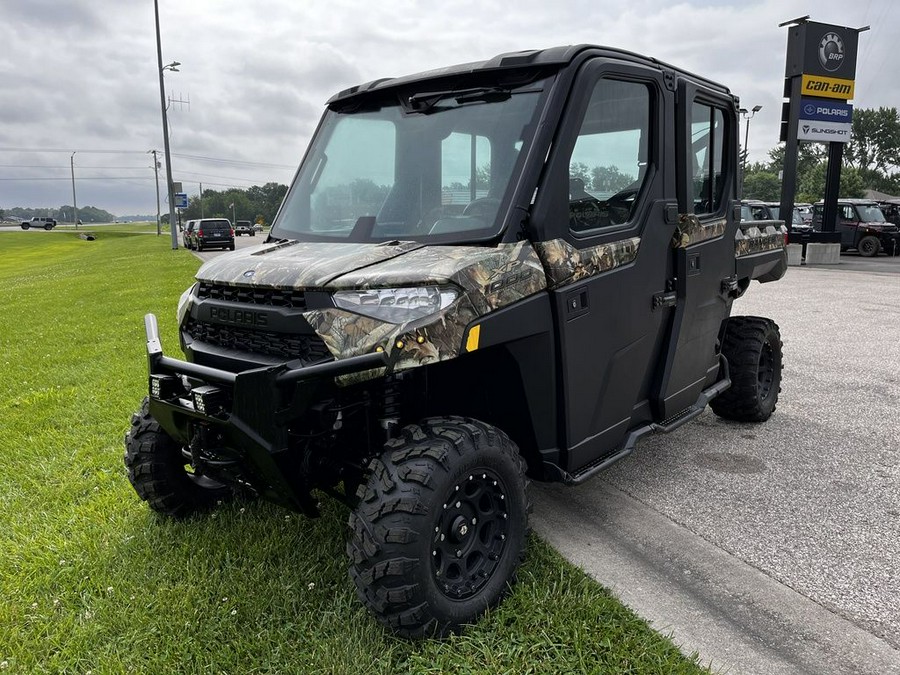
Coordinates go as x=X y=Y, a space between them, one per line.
x=80 y=166
x=66 y=178
x=68 y=150
x=233 y=161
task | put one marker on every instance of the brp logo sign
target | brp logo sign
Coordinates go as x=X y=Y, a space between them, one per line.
x=831 y=51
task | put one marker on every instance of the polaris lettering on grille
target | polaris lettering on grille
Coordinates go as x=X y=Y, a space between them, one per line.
x=242 y=317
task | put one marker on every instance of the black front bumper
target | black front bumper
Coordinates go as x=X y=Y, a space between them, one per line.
x=243 y=415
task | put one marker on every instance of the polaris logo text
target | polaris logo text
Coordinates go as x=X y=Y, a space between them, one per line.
x=240 y=317
x=830 y=112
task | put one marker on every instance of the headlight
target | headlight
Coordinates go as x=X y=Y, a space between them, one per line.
x=397 y=305
x=184 y=304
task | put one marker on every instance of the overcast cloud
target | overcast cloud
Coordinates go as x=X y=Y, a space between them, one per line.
x=81 y=75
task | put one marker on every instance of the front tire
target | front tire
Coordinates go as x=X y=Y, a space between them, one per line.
x=441 y=526
x=156 y=470
x=868 y=246
x=752 y=347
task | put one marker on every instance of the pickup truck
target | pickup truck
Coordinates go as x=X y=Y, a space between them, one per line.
x=46 y=223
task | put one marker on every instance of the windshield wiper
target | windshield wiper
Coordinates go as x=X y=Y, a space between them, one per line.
x=428 y=101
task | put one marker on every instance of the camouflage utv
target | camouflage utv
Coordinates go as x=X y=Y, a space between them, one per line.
x=489 y=273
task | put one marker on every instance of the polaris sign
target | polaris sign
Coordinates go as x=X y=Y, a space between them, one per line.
x=817 y=110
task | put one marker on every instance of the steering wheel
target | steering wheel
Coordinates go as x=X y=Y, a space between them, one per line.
x=484 y=208
x=620 y=205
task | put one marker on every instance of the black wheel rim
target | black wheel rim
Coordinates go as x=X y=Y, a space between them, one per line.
x=469 y=535
x=766 y=374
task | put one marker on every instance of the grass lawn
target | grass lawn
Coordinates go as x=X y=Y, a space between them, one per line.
x=92 y=580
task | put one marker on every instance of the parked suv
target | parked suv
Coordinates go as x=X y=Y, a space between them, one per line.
x=862 y=226
x=209 y=233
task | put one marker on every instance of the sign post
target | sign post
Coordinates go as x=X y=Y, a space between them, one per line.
x=820 y=72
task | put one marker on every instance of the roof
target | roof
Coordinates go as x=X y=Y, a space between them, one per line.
x=533 y=58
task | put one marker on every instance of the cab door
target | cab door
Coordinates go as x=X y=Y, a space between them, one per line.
x=606 y=223
x=703 y=248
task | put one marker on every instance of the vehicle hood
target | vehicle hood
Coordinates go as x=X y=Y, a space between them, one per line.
x=491 y=277
x=300 y=265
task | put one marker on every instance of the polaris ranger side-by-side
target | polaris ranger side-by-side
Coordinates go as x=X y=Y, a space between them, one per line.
x=484 y=274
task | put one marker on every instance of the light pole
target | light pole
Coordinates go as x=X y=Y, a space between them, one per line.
x=74 y=202
x=162 y=102
x=747 y=115
x=156 y=173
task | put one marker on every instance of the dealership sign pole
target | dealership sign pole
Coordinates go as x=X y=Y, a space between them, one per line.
x=820 y=73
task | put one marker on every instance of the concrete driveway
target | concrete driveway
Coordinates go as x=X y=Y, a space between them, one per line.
x=770 y=548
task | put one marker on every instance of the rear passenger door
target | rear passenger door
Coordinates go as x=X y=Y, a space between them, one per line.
x=703 y=247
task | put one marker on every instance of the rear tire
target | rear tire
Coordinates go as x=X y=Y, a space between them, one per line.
x=752 y=346
x=868 y=246
x=441 y=526
x=48 y=227
x=25 y=226
x=156 y=470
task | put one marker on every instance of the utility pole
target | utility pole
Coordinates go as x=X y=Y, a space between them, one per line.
x=201 y=200
x=74 y=203
x=165 y=121
x=156 y=172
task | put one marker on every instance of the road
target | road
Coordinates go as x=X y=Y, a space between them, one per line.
x=770 y=548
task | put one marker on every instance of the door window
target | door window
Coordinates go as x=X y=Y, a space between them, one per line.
x=608 y=166
x=707 y=158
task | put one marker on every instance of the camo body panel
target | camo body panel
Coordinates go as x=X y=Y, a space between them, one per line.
x=490 y=278
x=300 y=265
x=755 y=240
x=565 y=264
x=691 y=231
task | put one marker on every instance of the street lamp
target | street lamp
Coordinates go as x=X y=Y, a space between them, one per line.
x=747 y=115
x=74 y=202
x=162 y=102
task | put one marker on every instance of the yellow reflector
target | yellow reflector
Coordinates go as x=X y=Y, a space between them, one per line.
x=472 y=340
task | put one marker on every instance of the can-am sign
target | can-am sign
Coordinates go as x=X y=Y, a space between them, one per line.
x=828 y=132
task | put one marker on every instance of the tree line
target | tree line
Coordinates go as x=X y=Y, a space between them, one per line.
x=257 y=204
x=871 y=162
x=63 y=214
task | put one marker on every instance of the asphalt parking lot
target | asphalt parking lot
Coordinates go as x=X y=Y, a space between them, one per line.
x=776 y=547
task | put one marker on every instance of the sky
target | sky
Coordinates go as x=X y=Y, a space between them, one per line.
x=82 y=75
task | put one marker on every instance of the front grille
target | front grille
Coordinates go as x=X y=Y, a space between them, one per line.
x=273 y=297
x=308 y=348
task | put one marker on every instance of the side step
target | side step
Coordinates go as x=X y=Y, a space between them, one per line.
x=665 y=426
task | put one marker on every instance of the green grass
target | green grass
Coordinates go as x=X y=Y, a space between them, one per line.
x=90 y=579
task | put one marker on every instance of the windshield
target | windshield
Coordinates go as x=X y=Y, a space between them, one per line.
x=869 y=213
x=435 y=169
